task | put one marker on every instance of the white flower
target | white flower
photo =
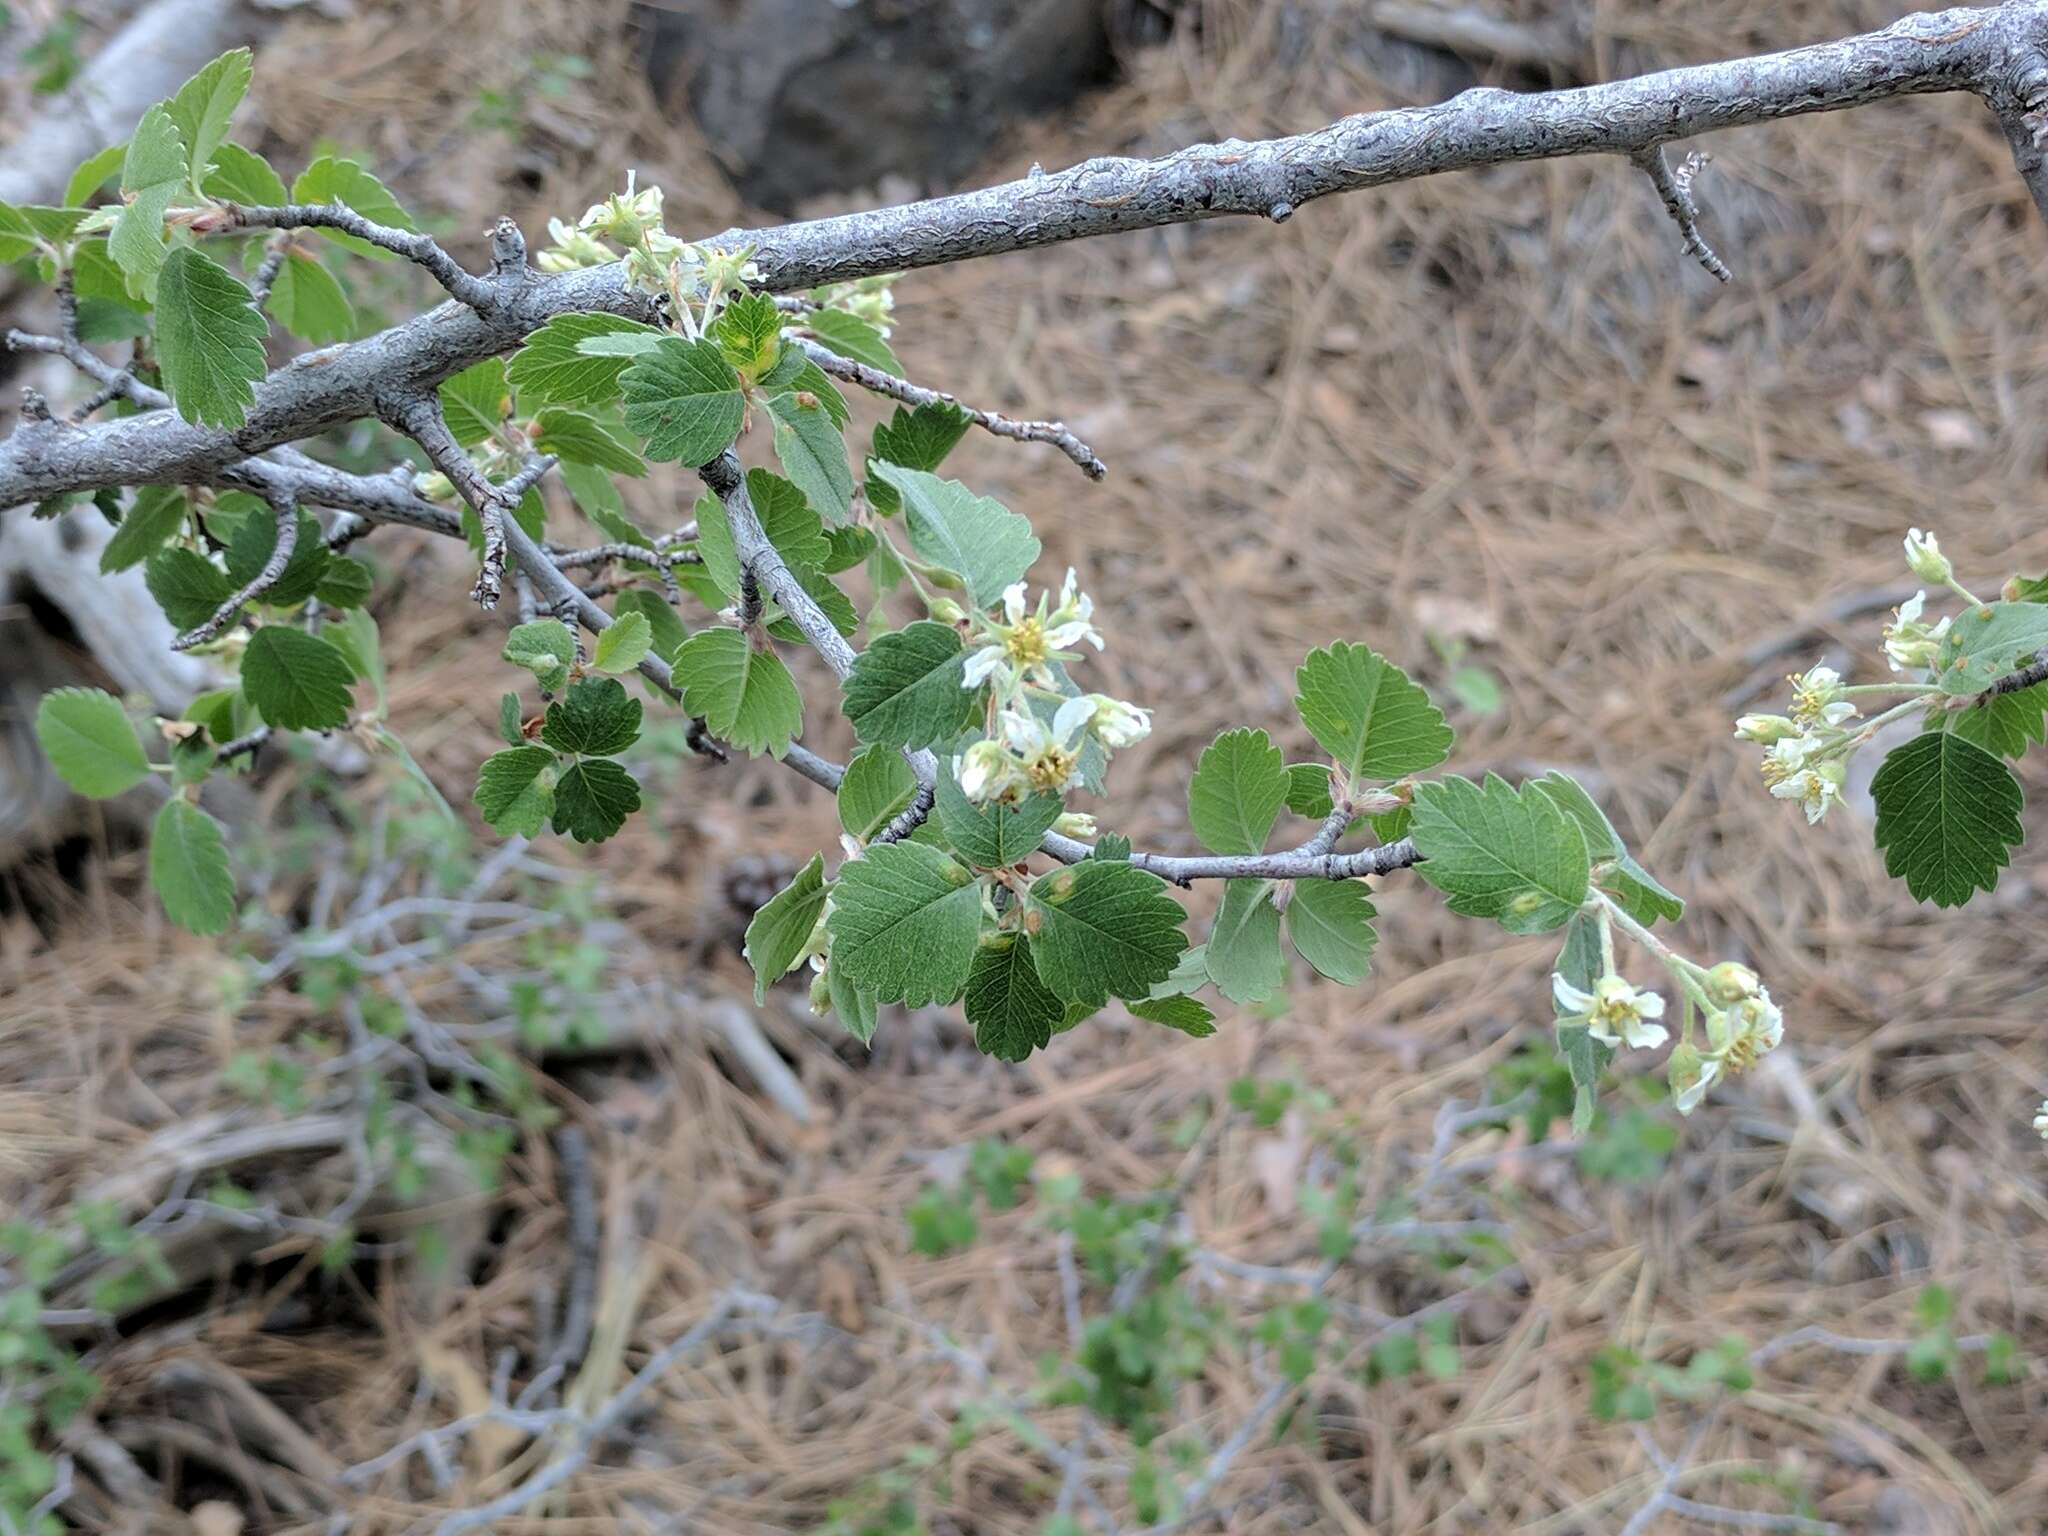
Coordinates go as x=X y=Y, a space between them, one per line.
x=1923 y=554
x=986 y=771
x=1115 y=723
x=1049 y=756
x=1021 y=648
x=573 y=249
x=1817 y=699
x=1069 y=623
x=1910 y=644
x=1817 y=789
x=1743 y=1033
x=1615 y=1012
x=2041 y=1121
x=991 y=661
x=1764 y=729
x=625 y=216
x=1691 y=1075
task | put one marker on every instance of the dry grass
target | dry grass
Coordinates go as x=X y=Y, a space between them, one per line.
x=1495 y=405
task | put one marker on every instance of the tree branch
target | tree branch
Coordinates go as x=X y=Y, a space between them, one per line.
x=1674 y=186
x=421 y=420
x=887 y=384
x=465 y=287
x=287 y=510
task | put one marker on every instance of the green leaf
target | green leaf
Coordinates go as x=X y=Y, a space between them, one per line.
x=2006 y=725
x=549 y=369
x=904 y=690
x=1240 y=783
x=684 y=398
x=1190 y=1015
x=812 y=380
x=510 y=721
x=86 y=735
x=209 y=340
x=476 y=400
x=812 y=453
x=1104 y=929
x=596 y=718
x=95 y=173
x=877 y=788
x=344 y=582
x=1585 y=1059
x=515 y=790
x=152 y=173
x=242 y=176
x=186 y=585
x=250 y=549
x=1947 y=811
x=1368 y=715
x=749 y=332
x=333 y=180
x=593 y=798
x=1495 y=852
x=918 y=439
x=785 y=517
x=545 y=648
x=188 y=866
x=988 y=545
x=205 y=105
x=1012 y=1011
x=298 y=682
x=996 y=835
x=579 y=439
x=904 y=922
x=152 y=519
x=746 y=696
x=1329 y=922
x=624 y=641
x=665 y=630
x=852 y=337
x=308 y=300
x=1308 y=790
x=1615 y=871
x=1987 y=642
x=782 y=927
x=1244 y=957
x=355 y=635
x=854 y=1005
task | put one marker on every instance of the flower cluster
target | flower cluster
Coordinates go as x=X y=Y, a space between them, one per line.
x=1037 y=734
x=1805 y=758
x=656 y=261
x=1741 y=1031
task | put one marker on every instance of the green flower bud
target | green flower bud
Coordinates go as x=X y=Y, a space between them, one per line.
x=1731 y=982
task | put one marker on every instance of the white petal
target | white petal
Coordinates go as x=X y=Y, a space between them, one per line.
x=1022 y=732
x=1072 y=719
x=980 y=665
x=1650 y=1004
x=1013 y=601
x=1569 y=997
x=1646 y=1037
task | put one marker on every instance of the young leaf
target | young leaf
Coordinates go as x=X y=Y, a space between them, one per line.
x=333 y=180
x=1368 y=715
x=904 y=923
x=242 y=176
x=1635 y=888
x=749 y=332
x=205 y=105
x=1240 y=783
x=1329 y=922
x=549 y=369
x=209 y=339
x=1947 y=811
x=782 y=926
x=854 y=1005
x=852 y=337
x=746 y=696
x=476 y=400
x=545 y=648
x=622 y=644
x=877 y=788
x=153 y=517
x=87 y=737
x=684 y=398
x=309 y=301
x=344 y=582
x=2006 y=725
x=1190 y=1015
x=1104 y=930
x=1495 y=852
x=510 y=721
x=918 y=439
x=1585 y=1058
x=188 y=867
x=812 y=453
x=515 y=790
x=595 y=718
x=186 y=585
x=904 y=690
x=95 y=172
x=1012 y=1011
x=593 y=798
x=298 y=682
x=1308 y=790
x=988 y=545
x=1987 y=642
x=997 y=835
x=152 y=173
x=575 y=438
x=665 y=631
x=1244 y=958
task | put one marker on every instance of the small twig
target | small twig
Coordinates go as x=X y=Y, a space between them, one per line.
x=579 y=1194
x=466 y=287
x=241 y=744
x=420 y=419
x=1672 y=1470
x=117 y=380
x=601 y=553
x=287 y=512
x=875 y=380
x=1674 y=186
x=275 y=249
x=910 y=818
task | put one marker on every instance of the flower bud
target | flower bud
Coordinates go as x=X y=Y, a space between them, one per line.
x=1731 y=982
x=945 y=610
x=1075 y=824
x=1765 y=729
x=1117 y=724
x=1924 y=556
x=986 y=769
